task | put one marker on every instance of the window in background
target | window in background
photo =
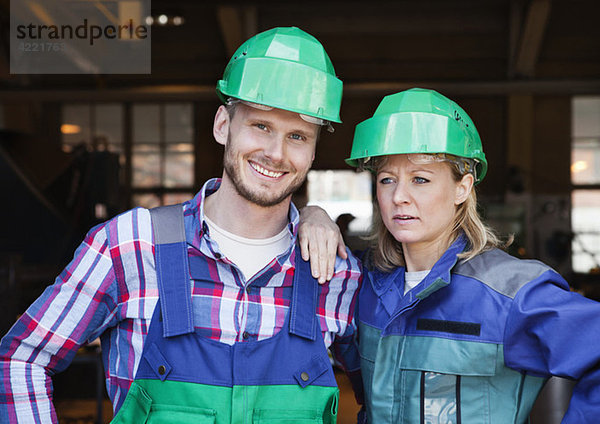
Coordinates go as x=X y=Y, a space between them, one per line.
x=95 y=127
x=179 y=151
x=93 y=134
x=343 y=192
x=146 y=157
x=161 y=153
x=108 y=134
x=585 y=178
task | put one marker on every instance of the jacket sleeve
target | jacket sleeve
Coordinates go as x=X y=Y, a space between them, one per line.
x=69 y=313
x=553 y=331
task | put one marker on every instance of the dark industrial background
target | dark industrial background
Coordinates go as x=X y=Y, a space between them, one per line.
x=514 y=65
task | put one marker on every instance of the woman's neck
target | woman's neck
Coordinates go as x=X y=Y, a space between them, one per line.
x=422 y=256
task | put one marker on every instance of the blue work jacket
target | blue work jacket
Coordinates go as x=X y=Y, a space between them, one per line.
x=475 y=341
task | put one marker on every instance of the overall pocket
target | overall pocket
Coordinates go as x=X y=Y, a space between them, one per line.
x=139 y=407
x=175 y=414
x=284 y=416
x=453 y=378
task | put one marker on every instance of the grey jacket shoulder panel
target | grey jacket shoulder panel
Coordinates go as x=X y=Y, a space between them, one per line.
x=501 y=271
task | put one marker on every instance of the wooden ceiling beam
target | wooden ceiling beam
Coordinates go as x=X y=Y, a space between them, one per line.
x=515 y=22
x=531 y=39
x=352 y=90
x=482 y=88
x=237 y=24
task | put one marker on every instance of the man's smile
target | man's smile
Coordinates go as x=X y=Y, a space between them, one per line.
x=264 y=171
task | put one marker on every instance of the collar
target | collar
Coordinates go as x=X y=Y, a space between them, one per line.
x=196 y=227
x=438 y=277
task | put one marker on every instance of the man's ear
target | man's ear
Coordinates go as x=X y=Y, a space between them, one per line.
x=463 y=189
x=221 y=125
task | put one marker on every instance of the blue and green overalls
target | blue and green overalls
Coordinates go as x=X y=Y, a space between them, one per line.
x=187 y=378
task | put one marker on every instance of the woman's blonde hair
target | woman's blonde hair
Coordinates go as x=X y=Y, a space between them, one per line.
x=386 y=253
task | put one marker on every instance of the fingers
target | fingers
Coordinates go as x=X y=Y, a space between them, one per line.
x=320 y=241
x=327 y=251
x=315 y=256
x=303 y=241
x=320 y=246
x=341 y=247
x=331 y=253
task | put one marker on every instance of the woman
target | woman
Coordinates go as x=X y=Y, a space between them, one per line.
x=451 y=328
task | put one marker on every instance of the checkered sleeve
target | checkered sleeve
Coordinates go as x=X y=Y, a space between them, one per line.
x=336 y=310
x=69 y=313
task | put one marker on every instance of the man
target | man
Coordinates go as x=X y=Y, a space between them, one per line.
x=209 y=315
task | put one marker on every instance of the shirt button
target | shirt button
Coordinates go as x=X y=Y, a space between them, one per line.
x=217 y=255
x=162 y=370
x=304 y=376
x=248 y=288
x=245 y=335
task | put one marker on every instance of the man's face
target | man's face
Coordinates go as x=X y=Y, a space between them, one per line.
x=268 y=153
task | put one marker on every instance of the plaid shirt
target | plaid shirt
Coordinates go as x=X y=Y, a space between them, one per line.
x=109 y=290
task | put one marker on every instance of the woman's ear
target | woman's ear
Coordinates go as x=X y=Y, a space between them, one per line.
x=221 y=125
x=463 y=189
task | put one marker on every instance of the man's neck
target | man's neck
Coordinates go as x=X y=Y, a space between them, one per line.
x=232 y=212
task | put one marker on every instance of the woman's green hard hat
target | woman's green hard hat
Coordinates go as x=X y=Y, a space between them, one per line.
x=418 y=121
x=285 y=68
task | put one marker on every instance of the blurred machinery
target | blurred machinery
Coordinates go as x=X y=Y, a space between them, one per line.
x=51 y=199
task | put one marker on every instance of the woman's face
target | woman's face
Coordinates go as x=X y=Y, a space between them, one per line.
x=418 y=202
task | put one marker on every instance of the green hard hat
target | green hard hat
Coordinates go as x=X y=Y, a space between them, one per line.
x=418 y=121
x=285 y=68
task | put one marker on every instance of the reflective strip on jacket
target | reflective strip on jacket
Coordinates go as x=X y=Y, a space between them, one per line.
x=475 y=341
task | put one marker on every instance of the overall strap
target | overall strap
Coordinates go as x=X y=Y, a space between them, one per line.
x=172 y=269
x=305 y=295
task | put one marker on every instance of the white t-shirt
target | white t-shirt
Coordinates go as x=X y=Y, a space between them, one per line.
x=411 y=279
x=250 y=255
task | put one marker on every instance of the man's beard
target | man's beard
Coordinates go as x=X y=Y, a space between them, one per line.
x=264 y=199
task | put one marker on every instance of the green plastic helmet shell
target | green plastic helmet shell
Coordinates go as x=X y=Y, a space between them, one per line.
x=285 y=68
x=418 y=121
